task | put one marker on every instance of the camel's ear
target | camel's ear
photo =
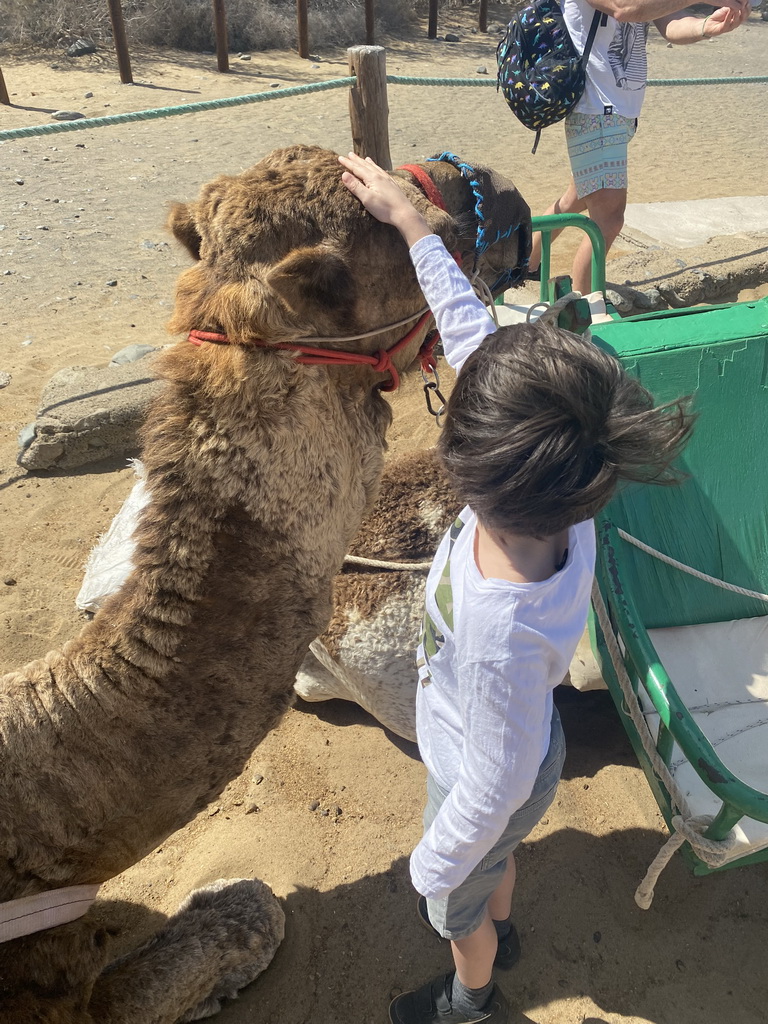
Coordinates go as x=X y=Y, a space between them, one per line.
x=313 y=280
x=182 y=223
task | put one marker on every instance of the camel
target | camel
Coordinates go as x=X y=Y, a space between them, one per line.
x=259 y=468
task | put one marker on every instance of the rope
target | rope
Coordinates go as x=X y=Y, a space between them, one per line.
x=409 y=80
x=551 y=312
x=378 y=563
x=86 y=123
x=185 y=108
x=687 y=827
x=689 y=569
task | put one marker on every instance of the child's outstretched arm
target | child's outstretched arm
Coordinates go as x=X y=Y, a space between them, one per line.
x=461 y=318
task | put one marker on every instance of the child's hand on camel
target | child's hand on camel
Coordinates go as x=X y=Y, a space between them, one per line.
x=382 y=197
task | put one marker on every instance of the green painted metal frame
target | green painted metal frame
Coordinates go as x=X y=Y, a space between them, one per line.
x=557 y=222
x=645 y=669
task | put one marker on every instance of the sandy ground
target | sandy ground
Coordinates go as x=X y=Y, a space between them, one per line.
x=83 y=209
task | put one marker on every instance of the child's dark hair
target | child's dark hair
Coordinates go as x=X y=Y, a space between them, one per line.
x=542 y=425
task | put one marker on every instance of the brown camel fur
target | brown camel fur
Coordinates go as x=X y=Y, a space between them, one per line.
x=259 y=471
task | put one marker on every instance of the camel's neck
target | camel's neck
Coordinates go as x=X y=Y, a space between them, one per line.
x=257 y=486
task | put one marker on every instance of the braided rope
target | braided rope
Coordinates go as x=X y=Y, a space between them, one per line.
x=185 y=108
x=740 y=80
x=380 y=563
x=689 y=569
x=686 y=826
x=85 y=123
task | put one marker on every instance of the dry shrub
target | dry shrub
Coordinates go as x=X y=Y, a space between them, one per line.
x=188 y=24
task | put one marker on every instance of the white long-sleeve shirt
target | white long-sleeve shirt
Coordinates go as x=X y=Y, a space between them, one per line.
x=493 y=651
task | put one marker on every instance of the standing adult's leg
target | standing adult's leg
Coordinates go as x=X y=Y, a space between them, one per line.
x=606 y=208
x=569 y=202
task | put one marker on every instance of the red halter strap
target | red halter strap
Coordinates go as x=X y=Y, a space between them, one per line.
x=380 y=363
x=310 y=355
x=427 y=186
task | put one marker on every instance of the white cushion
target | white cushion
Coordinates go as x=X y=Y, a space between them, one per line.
x=720 y=671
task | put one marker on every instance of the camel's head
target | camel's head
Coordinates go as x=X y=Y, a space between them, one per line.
x=284 y=250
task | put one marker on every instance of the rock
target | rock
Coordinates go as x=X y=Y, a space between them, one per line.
x=5 y=379
x=67 y=115
x=88 y=96
x=245 y=56
x=111 y=284
x=618 y=301
x=81 y=47
x=9 y=581
x=482 y=70
x=19 y=181
x=314 y=805
x=451 y=37
x=88 y=413
x=649 y=298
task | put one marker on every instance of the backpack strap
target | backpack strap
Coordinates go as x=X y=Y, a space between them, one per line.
x=597 y=19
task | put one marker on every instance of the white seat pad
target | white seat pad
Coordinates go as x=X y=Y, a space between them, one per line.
x=720 y=671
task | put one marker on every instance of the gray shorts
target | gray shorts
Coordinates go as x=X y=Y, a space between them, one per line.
x=462 y=911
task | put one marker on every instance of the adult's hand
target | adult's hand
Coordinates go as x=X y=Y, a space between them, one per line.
x=725 y=19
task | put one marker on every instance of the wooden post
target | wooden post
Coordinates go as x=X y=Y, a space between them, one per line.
x=303 y=26
x=4 y=98
x=432 y=27
x=483 y=23
x=370 y=19
x=121 y=42
x=220 y=28
x=368 y=107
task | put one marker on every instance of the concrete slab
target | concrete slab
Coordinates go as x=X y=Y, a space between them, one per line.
x=89 y=413
x=684 y=224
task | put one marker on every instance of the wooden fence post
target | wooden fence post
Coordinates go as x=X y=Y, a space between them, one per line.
x=483 y=23
x=368 y=107
x=4 y=98
x=303 y=28
x=220 y=29
x=121 y=42
x=432 y=27
x=370 y=20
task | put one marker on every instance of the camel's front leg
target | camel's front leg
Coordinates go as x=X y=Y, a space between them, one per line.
x=219 y=940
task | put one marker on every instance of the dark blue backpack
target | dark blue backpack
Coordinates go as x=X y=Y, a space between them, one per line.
x=540 y=73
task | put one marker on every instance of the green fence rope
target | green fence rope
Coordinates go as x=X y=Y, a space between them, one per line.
x=741 y=80
x=85 y=123
x=186 y=108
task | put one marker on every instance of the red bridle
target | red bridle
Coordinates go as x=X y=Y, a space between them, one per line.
x=381 y=362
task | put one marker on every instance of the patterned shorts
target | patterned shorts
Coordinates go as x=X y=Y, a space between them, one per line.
x=597 y=146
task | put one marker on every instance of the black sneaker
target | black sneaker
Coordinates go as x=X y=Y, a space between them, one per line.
x=431 y=1004
x=509 y=947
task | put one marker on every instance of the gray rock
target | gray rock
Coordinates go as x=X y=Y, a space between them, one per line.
x=649 y=298
x=67 y=115
x=5 y=379
x=621 y=303
x=245 y=56
x=88 y=413
x=451 y=37
x=482 y=70
x=81 y=47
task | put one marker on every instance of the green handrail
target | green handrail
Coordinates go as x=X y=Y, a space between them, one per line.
x=556 y=222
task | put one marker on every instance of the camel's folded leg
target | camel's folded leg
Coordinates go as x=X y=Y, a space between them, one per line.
x=219 y=940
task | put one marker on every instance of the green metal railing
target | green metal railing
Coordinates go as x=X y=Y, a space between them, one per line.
x=556 y=222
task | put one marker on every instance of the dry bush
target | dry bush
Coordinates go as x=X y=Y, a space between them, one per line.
x=188 y=24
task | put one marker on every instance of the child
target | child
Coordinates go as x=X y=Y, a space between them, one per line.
x=539 y=429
